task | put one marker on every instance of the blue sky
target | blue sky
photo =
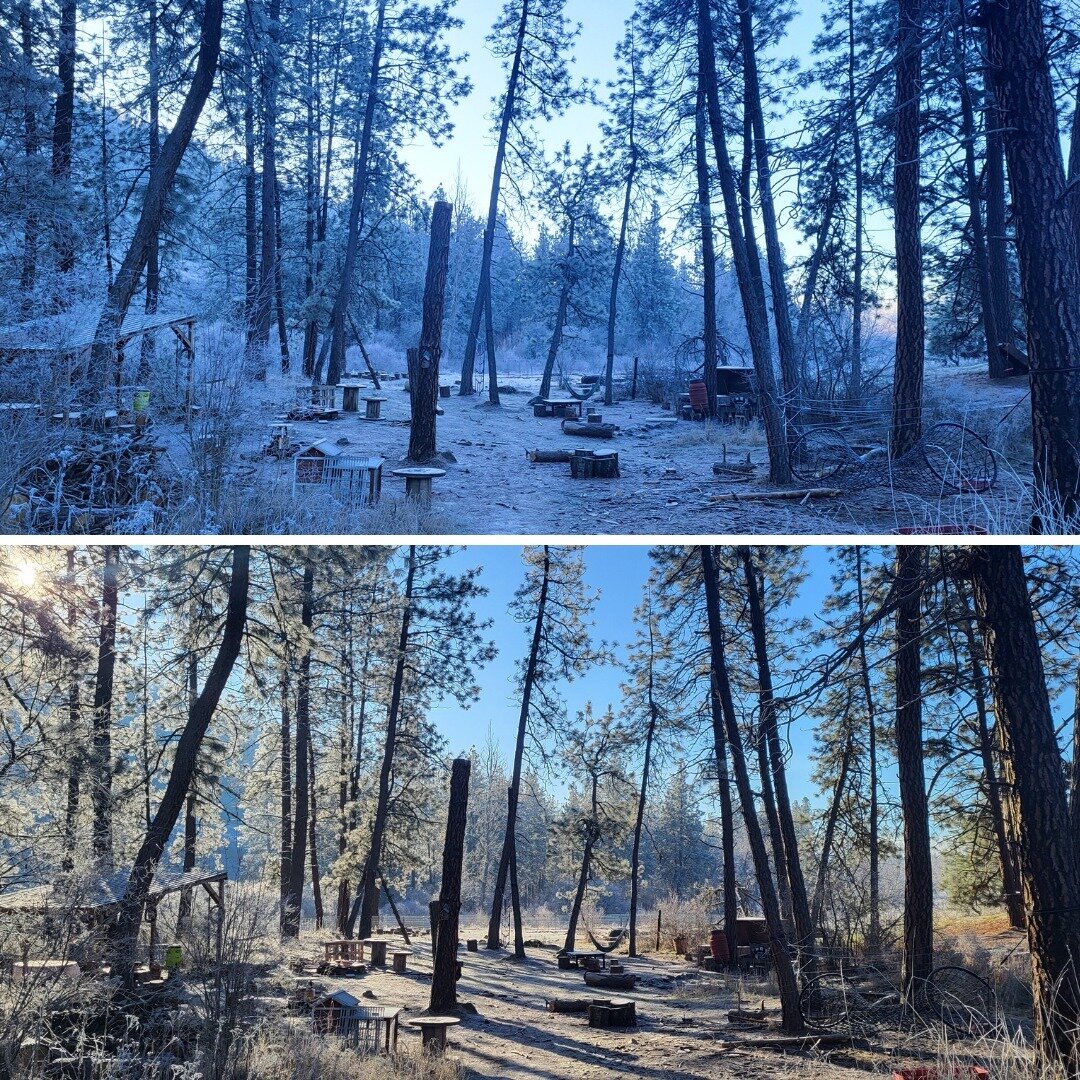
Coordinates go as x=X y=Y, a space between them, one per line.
x=618 y=572
x=470 y=151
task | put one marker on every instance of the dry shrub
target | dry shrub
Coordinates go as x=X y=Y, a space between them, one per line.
x=280 y=1053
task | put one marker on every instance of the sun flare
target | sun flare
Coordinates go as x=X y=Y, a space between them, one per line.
x=26 y=574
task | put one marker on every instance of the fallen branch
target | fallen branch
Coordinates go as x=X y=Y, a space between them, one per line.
x=800 y=493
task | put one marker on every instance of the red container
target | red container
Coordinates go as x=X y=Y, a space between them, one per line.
x=718 y=945
x=699 y=399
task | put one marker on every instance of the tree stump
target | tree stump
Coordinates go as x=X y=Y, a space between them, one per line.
x=589 y=465
x=613 y=1014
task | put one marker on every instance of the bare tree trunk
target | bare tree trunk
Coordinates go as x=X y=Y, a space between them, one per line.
x=443 y=998
x=483 y=287
x=830 y=832
x=313 y=847
x=757 y=326
x=910 y=315
x=643 y=792
x=1033 y=771
x=63 y=123
x=509 y=853
x=560 y=318
x=251 y=226
x=101 y=795
x=153 y=268
x=157 y=188
x=708 y=254
x=781 y=303
x=185 y=759
x=792 y=1021
x=268 y=91
x=31 y=143
x=918 y=869
x=873 y=933
x=592 y=832
x=279 y=289
x=424 y=374
x=1047 y=244
x=1010 y=871
x=620 y=254
x=302 y=788
x=361 y=177
x=366 y=901
x=190 y=822
x=997 y=247
x=285 y=834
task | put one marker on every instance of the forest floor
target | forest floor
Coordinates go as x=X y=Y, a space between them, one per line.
x=666 y=483
x=682 y=1033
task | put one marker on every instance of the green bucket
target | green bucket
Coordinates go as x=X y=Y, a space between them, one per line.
x=173 y=957
x=141 y=401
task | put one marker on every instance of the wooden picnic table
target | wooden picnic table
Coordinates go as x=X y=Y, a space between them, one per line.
x=574 y=959
x=433 y=1031
x=558 y=407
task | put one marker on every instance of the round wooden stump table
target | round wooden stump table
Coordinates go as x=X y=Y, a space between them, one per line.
x=433 y=1031
x=418 y=480
x=374 y=405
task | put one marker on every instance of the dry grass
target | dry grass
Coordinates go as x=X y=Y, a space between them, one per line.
x=280 y=1053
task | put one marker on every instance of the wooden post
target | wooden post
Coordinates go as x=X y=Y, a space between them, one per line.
x=424 y=361
x=633 y=382
x=444 y=968
x=659 y=913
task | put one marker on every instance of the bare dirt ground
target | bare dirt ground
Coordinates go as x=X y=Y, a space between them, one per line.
x=667 y=484
x=682 y=1033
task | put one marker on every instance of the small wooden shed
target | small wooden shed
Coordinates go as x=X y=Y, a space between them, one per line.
x=332 y=1010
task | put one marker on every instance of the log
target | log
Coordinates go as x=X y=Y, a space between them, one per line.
x=789 y=1042
x=610 y=982
x=590 y=431
x=800 y=494
x=568 y=1005
x=544 y=457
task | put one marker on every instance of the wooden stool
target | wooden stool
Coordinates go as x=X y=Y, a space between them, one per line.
x=378 y=951
x=400 y=959
x=473 y=945
x=374 y=404
x=418 y=481
x=433 y=1031
x=350 y=398
x=444 y=391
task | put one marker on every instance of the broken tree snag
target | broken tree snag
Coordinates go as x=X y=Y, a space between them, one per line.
x=589 y=465
x=590 y=431
x=546 y=457
x=444 y=950
x=424 y=360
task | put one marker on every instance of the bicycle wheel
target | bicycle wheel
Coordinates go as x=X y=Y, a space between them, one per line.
x=820 y=455
x=826 y=1000
x=959 y=459
x=960 y=999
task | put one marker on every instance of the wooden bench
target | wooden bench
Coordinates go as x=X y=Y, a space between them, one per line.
x=433 y=1031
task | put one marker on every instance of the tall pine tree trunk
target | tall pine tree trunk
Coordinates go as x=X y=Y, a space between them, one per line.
x=101 y=753
x=910 y=313
x=1047 y=245
x=509 y=848
x=483 y=287
x=1034 y=773
x=918 y=869
x=791 y=1014
x=63 y=124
